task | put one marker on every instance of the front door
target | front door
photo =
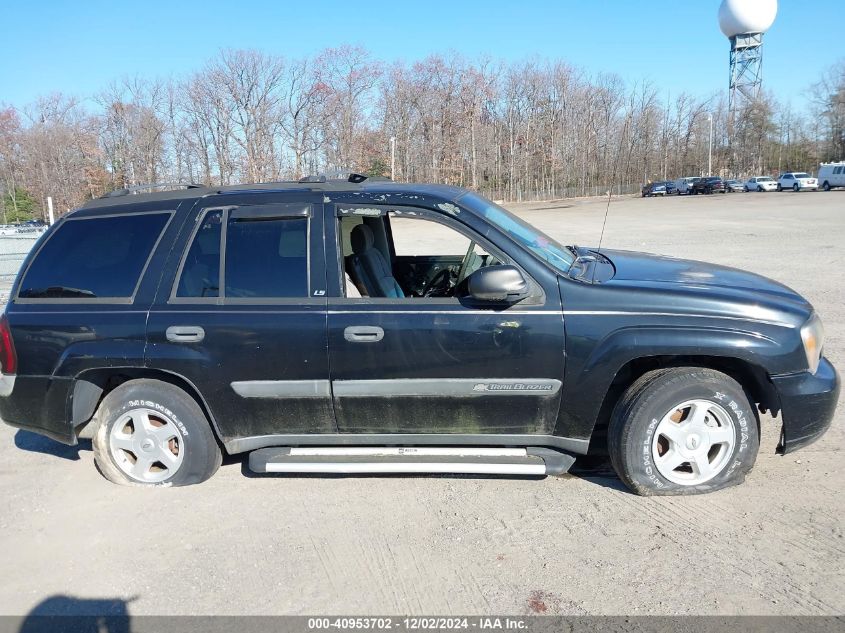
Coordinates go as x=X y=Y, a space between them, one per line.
x=244 y=317
x=430 y=362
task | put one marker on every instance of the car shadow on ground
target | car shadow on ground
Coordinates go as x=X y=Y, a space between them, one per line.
x=34 y=443
x=595 y=469
x=78 y=615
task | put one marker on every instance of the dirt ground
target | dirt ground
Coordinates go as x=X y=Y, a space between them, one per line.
x=448 y=545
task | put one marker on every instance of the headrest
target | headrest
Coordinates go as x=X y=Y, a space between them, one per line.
x=361 y=239
x=292 y=243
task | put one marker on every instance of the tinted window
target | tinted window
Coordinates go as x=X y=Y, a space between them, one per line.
x=266 y=257
x=94 y=258
x=201 y=270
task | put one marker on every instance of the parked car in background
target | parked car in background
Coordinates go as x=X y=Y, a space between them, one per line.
x=734 y=186
x=670 y=187
x=797 y=181
x=654 y=189
x=761 y=184
x=683 y=185
x=832 y=175
x=709 y=184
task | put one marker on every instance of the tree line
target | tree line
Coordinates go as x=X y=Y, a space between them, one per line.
x=528 y=130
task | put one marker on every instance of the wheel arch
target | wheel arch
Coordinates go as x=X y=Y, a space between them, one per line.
x=753 y=378
x=92 y=385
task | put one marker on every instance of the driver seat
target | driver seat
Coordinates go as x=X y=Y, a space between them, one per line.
x=368 y=266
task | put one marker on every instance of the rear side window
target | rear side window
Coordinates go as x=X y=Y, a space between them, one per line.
x=267 y=257
x=94 y=258
x=265 y=254
x=201 y=270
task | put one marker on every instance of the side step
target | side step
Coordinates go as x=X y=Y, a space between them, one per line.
x=410 y=459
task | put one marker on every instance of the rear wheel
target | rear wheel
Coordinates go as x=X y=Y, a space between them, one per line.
x=826 y=185
x=150 y=433
x=684 y=430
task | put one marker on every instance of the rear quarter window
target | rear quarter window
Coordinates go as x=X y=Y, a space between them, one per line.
x=94 y=258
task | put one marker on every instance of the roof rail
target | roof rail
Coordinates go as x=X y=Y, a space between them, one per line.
x=126 y=191
x=340 y=175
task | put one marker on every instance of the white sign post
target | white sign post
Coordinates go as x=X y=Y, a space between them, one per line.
x=50 y=209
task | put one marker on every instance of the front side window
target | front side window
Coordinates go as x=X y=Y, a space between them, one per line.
x=94 y=258
x=401 y=255
x=265 y=255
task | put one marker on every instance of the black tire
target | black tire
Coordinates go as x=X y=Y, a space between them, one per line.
x=192 y=434
x=796 y=188
x=759 y=189
x=636 y=416
x=826 y=186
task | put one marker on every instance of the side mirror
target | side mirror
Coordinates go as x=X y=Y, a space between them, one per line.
x=497 y=284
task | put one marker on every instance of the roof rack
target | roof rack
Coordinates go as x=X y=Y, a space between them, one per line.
x=172 y=185
x=342 y=176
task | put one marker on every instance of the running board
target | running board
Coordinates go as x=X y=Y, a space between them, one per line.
x=468 y=460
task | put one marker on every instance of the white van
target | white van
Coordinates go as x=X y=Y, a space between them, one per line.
x=684 y=185
x=832 y=175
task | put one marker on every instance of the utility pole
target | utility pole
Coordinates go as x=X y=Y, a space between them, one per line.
x=50 y=209
x=710 y=150
x=393 y=158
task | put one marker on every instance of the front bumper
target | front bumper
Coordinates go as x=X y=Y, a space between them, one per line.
x=808 y=402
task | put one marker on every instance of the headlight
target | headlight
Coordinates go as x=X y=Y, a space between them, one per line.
x=812 y=334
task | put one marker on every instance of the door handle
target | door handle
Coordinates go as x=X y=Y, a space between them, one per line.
x=363 y=334
x=185 y=334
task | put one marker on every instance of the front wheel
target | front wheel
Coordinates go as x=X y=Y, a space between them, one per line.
x=151 y=433
x=686 y=430
x=796 y=188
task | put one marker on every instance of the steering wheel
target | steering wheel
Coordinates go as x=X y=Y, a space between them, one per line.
x=439 y=285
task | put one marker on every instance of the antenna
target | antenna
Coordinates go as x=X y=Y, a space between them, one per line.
x=610 y=189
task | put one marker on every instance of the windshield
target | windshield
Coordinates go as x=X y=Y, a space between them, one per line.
x=801 y=174
x=765 y=179
x=520 y=231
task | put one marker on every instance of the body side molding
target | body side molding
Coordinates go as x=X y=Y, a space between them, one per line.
x=282 y=388
x=443 y=387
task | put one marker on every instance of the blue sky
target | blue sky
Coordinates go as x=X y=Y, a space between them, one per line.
x=78 y=47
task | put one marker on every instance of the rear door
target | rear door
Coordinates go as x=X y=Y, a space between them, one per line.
x=244 y=316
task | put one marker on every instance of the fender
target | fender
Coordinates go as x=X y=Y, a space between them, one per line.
x=589 y=376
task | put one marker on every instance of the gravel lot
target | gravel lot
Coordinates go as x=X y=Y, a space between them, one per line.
x=570 y=545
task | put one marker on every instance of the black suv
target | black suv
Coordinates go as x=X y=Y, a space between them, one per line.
x=369 y=326
x=709 y=184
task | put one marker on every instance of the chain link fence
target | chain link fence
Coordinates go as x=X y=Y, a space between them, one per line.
x=13 y=250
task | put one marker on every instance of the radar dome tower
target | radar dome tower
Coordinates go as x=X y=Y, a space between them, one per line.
x=743 y=22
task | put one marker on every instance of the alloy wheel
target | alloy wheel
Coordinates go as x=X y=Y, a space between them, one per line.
x=146 y=445
x=693 y=442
